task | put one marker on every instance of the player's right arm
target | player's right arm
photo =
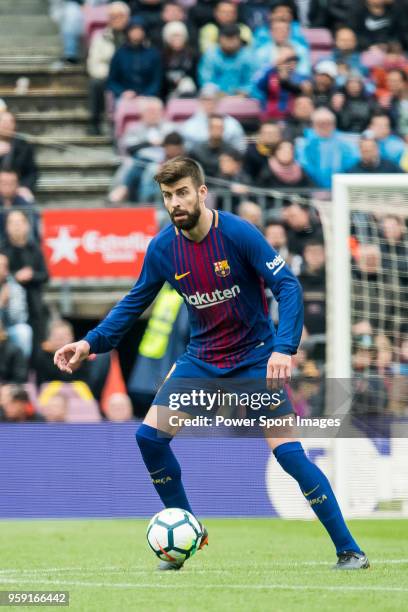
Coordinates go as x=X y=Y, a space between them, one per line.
x=110 y=331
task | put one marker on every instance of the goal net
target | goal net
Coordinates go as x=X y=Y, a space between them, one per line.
x=365 y=227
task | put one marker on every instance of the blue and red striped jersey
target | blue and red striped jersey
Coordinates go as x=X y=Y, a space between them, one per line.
x=222 y=280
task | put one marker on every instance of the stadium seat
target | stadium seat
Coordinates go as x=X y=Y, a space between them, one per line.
x=125 y=112
x=180 y=109
x=245 y=110
x=95 y=18
x=318 y=38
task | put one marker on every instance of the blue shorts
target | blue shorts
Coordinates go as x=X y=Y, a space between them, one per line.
x=247 y=383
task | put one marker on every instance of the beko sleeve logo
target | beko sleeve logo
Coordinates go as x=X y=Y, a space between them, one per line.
x=276 y=264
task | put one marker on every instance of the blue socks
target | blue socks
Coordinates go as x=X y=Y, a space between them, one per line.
x=317 y=490
x=163 y=466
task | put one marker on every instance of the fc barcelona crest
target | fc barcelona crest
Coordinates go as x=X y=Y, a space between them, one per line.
x=221 y=268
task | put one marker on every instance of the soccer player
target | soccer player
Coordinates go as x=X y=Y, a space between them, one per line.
x=219 y=264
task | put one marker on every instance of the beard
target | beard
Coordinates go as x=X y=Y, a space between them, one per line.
x=189 y=221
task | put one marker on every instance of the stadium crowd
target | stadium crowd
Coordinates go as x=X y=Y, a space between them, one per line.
x=165 y=78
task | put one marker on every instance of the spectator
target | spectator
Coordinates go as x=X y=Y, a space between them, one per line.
x=19 y=409
x=333 y=14
x=143 y=142
x=324 y=83
x=229 y=64
x=119 y=408
x=394 y=255
x=230 y=170
x=257 y=153
x=324 y=151
x=370 y=161
x=17 y=154
x=179 y=62
x=268 y=53
x=28 y=267
x=171 y=12
x=14 y=310
x=60 y=333
x=302 y=226
x=300 y=118
x=280 y=11
x=195 y=129
x=391 y=147
x=370 y=285
x=145 y=136
x=55 y=410
x=251 y=212
x=353 y=106
x=149 y=10
x=101 y=50
x=282 y=171
x=397 y=82
x=378 y=22
x=275 y=235
x=13 y=366
x=369 y=394
x=10 y=198
x=68 y=15
x=279 y=84
x=208 y=153
x=225 y=14
x=135 y=68
x=312 y=277
x=345 y=54
x=149 y=190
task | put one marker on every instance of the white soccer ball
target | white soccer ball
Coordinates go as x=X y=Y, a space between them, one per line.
x=174 y=534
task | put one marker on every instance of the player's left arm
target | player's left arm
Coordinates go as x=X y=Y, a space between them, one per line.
x=288 y=293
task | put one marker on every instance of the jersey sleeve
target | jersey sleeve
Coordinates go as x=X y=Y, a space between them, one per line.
x=284 y=285
x=110 y=331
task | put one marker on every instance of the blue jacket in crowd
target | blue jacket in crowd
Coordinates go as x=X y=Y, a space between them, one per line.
x=135 y=68
x=231 y=73
x=323 y=157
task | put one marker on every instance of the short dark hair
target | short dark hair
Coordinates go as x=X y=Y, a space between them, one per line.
x=275 y=223
x=178 y=168
x=173 y=138
x=234 y=154
x=19 y=394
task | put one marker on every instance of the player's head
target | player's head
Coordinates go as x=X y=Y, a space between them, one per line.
x=181 y=181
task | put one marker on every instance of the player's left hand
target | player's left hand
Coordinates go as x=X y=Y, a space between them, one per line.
x=279 y=370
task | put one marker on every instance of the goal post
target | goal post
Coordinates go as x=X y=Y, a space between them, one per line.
x=366 y=474
x=344 y=202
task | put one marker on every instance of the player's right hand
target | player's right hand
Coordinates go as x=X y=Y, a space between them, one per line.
x=69 y=357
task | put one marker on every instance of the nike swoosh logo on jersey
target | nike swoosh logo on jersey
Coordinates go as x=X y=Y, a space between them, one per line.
x=376 y=24
x=179 y=276
x=309 y=492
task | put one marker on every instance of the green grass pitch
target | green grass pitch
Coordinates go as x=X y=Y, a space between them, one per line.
x=250 y=565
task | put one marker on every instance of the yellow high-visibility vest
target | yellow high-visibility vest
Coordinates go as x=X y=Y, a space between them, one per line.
x=155 y=339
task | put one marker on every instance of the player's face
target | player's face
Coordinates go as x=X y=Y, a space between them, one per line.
x=184 y=202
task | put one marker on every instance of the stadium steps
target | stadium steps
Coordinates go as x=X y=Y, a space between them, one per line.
x=43 y=100
x=51 y=108
x=54 y=122
x=23 y=7
x=41 y=74
x=17 y=26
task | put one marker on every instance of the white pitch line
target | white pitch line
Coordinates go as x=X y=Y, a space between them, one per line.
x=155 y=585
x=256 y=568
